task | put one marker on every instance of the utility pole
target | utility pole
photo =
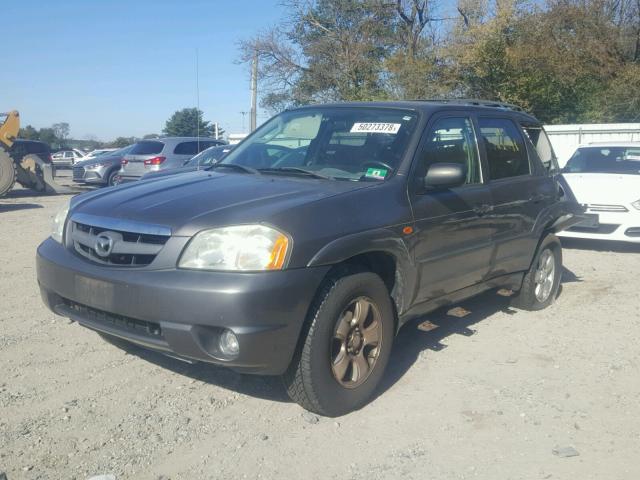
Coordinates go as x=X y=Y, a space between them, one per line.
x=216 y=130
x=254 y=90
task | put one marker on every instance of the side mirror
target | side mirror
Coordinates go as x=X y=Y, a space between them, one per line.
x=445 y=175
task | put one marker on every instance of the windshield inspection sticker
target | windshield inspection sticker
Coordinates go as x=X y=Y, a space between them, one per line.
x=377 y=173
x=375 y=128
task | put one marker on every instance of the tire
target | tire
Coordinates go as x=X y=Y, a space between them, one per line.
x=538 y=290
x=7 y=172
x=111 y=178
x=338 y=365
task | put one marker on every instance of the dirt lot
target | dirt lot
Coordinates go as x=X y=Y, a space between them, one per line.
x=498 y=394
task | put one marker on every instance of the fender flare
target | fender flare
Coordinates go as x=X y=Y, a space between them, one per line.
x=370 y=241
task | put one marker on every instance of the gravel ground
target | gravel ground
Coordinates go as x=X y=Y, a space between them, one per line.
x=496 y=394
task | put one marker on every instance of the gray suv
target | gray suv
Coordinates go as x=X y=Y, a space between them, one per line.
x=159 y=154
x=313 y=241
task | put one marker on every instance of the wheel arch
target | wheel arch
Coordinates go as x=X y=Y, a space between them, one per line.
x=379 y=251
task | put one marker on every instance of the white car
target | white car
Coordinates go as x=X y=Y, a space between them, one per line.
x=605 y=178
x=67 y=157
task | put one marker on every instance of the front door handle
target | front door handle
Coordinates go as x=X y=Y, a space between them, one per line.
x=483 y=209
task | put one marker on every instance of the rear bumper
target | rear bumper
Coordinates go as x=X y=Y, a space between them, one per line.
x=181 y=312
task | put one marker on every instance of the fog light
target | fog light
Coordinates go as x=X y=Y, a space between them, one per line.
x=229 y=343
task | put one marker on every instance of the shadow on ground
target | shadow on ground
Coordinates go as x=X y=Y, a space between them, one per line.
x=600 y=245
x=12 y=207
x=408 y=346
x=265 y=387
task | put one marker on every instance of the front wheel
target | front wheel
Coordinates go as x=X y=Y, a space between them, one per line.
x=346 y=346
x=112 y=179
x=542 y=281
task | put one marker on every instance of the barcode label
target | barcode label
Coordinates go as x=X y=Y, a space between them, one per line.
x=375 y=128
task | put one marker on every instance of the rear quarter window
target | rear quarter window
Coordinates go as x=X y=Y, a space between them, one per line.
x=147 y=148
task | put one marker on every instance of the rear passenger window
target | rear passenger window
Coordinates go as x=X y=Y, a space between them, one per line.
x=506 y=151
x=147 y=148
x=205 y=145
x=186 y=148
x=452 y=140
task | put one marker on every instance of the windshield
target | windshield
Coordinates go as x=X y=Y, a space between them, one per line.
x=343 y=143
x=209 y=156
x=620 y=160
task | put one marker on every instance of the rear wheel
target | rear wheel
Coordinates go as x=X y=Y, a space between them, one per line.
x=346 y=346
x=7 y=172
x=542 y=281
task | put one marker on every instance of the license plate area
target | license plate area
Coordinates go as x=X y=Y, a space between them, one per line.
x=591 y=221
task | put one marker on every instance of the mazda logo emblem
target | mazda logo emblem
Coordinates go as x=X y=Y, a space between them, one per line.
x=104 y=244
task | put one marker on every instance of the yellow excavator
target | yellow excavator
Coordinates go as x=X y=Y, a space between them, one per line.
x=30 y=171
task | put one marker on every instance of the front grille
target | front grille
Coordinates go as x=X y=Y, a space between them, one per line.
x=606 y=208
x=116 y=247
x=603 y=228
x=114 y=321
x=78 y=173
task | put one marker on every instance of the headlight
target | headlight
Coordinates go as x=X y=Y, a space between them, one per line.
x=93 y=166
x=636 y=204
x=242 y=247
x=57 y=227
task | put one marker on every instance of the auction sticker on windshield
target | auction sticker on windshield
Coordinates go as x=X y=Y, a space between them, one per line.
x=375 y=128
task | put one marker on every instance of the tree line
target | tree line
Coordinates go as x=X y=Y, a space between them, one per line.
x=563 y=60
x=187 y=122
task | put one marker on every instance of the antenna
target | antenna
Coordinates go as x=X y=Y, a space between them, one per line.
x=243 y=115
x=198 y=101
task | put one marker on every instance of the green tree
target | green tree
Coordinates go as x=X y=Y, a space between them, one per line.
x=61 y=131
x=187 y=122
x=563 y=60
x=48 y=136
x=29 y=133
x=121 y=142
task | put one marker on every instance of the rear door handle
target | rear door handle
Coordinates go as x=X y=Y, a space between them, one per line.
x=483 y=209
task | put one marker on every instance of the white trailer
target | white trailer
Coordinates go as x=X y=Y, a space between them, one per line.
x=566 y=138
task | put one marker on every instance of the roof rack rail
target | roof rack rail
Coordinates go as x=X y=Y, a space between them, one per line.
x=475 y=101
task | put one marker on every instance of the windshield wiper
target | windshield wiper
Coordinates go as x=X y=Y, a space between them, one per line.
x=302 y=171
x=234 y=166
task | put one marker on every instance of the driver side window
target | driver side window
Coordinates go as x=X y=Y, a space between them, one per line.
x=452 y=140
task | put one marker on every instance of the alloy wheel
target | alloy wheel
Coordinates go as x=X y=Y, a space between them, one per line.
x=356 y=342
x=545 y=275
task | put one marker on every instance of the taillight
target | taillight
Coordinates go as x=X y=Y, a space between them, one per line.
x=124 y=162
x=155 y=161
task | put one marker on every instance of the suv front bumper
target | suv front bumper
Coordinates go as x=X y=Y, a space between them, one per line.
x=183 y=312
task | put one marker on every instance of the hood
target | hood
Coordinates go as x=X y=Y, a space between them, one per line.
x=604 y=188
x=203 y=199
x=168 y=171
x=99 y=159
